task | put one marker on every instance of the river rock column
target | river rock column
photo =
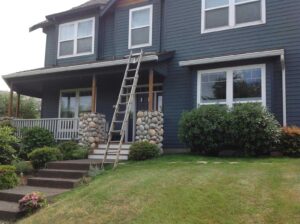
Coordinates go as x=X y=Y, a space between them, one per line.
x=150 y=127
x=92 y=129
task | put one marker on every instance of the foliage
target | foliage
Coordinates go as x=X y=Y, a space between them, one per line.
x=71 y=150
x=253 y=129
x=32 y=202
x=24 y=167
x=204 y=129
x=143 y=151
x=95 y=171
x=35 y=138
x=7 y=140
x=40 y=156
x=8 y=177
x=29 y=107
x=290 y=141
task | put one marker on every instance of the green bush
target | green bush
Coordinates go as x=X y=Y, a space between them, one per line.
x=71 y=150
x=8 y=177
x=24 y=167
x=143 y=151
x=7 y=140
x=40 y=156
x=204 y=129
x=253 y=129
x=290 y=141
x=35 y=138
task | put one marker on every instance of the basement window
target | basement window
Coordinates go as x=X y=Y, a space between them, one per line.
x=76 y=38
x=140 y=27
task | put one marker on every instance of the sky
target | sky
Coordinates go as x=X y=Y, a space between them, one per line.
x=19 y=49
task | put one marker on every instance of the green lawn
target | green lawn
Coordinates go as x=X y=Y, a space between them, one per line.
x=184 y=189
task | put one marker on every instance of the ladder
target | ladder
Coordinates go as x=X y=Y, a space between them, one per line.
x=122 y=108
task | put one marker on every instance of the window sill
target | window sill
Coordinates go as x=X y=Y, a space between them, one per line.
x=75 y=55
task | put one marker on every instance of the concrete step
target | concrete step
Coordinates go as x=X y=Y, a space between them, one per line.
x=114 y=146
x=9 y=211
x=109 y=157
x=15 y=194
x=102 y=151
x=59 y=173
x=73 y=164
x=53 y=182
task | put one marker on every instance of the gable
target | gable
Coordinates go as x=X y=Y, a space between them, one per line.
x=121 y=3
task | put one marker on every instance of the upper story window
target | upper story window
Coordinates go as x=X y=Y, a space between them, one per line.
x=76 y=38
x=140 y=27
x=227 y=14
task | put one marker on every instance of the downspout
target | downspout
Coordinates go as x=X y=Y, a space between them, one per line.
x=283 y=67
x=162 y=22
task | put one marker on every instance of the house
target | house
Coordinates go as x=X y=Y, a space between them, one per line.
x=197 y=52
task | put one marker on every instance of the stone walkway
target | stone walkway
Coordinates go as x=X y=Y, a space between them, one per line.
x=57 y=178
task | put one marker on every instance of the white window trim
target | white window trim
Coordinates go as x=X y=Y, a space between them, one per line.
x=130 y=46
x=232 y=24
x=77 y=91
x=75 y=38
x=229 y=85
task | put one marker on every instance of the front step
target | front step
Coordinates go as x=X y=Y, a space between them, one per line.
x=9 y=211
x=73 y=165
x=58 y=173
x=114 y=146
x=111 y=154
x=109 y=157
x=53 y=182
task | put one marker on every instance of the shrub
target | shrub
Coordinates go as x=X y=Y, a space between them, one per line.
x=32 y=202
x=24 y=167
x=253 y=129
x=71 y=150
x=39 y=157
x=290 y=141
x=8 y=177
x=143 y=151
x=204 y=129
x=35 y=138
x=7 y=140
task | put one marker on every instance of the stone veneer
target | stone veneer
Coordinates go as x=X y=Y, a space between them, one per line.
x=150 y=127
x=92 y=129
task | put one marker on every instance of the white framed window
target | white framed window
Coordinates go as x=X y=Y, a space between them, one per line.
x=72 y=102
x=140 y=27
x=233 y=85
x=220 y=15
x=76 y=38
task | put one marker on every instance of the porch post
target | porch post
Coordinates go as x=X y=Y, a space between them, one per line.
x=10 y=102
x=18 y=105
x=150 y=100
x=94 y=93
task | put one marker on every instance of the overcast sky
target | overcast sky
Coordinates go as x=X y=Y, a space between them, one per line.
x=19 y=49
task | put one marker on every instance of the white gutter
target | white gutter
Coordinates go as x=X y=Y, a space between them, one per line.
x=102 y=64
x=284 y=109
x=235 y=57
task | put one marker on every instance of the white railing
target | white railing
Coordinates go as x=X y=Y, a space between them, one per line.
x=62 y=128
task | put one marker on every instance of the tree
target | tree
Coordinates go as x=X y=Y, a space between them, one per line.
x=29 y=107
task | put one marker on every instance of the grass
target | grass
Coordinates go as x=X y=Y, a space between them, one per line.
x=184 y=189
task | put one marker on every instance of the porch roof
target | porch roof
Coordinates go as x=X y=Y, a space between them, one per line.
x=149 y=57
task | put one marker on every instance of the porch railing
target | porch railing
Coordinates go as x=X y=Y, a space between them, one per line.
x=62 y=128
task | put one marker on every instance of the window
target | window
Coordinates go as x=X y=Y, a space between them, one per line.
x=140 y=27
x=74 y=102
x=76 y=38
x=226 y=14
x=232 y=85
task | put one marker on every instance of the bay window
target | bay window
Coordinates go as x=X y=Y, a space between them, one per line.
x=76 y=38
x=226 y=14
x=232 y=85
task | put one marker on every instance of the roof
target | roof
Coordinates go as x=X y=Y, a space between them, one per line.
x=92 y=2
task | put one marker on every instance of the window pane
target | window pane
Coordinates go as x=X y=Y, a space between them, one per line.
x=213 y=87
x=215 y=3
x=247 y=85
x=85 y=101
x=248 y=12
x=140 y=18
x=85 y=28
x=84 y=45
x=66 y=48
x=68 y=105
x=67 y=32
x=140 y=36
x=217 y=18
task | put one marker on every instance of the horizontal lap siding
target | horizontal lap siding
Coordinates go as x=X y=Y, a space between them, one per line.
x=183 y=34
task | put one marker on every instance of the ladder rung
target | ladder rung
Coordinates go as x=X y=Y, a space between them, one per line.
x=128 y=86
x=130 y=78
x=132 y=70
x=123 y=103
x=116 y=131
x=121 y=112
x=125 y=94
x=118 y=121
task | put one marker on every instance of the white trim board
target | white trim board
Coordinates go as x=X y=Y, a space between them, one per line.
x=102 y=64
x=234 y=57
